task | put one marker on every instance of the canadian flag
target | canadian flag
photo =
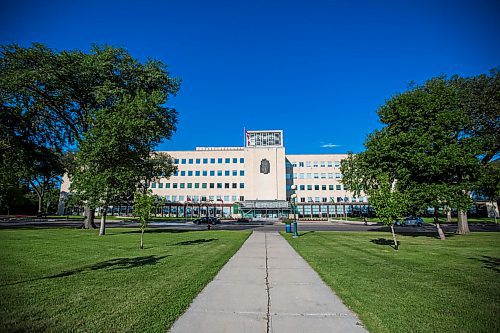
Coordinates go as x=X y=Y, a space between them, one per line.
x=248 y=137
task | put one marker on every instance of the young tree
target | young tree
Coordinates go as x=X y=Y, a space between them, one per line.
x=144 y=204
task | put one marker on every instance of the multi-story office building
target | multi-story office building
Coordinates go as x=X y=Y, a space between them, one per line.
x=255 y=180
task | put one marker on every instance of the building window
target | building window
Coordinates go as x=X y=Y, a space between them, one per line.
x=301 y=164
x=235 y=185
x=302 y=199
x=316 y=199
x=212 y=173
x=234 y=198
x=288 y=187
x=309 y=175
x=309 y=187
x=203 y=198
x=330 y=187
x=242 y=198
x=219 y=198
x=198 y=161
x=176 y=173
x=301 y=175
x=323 y=176
x=183 y=161
x=160 y=185
x=174 y=185
x=242 y=185
x=330 y=175
x=197 y=173
x=190 y=173
x=316 y=187
x=226 y=173
x=242 y=172
x=235 y=172
x=337 y=164
x=212 y=185
x=204 y=172
x=211 y=197
x=219 y=160
x=316 y=176
x=226 y=185
x=219 y=185
x=322 y=163
x=219 y=173
x=196 y=185
x=212 y=161
x=235 y=160
x=167 y=185
x=288 y=176
x=324 y=199
x=205 y=161
x=338 y=187
x=228 y=160
x=302 y=187
x=174 y=198
x=190 y=161
x=308 y=164
x=203 y=185
x=323 y=187
x=183 y=173
x=189 y=185
x=176 y=161
x=337 y=175
x=181 y=185
x=242 y=160
x=330 y=164
x=315 y=164
x=294 y=164
x=153 y=185
x=226 y=198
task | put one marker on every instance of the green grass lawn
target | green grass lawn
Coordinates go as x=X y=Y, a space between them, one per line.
x=427 y=286
x=73 y=280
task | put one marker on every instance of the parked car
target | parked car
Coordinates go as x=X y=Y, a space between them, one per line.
x=411 y=220
x=244 y=219
x=206 y=220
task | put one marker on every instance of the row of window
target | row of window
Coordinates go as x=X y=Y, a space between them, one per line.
x=200 y=198
x=331 y=187
x=322 y=175
x=212 y=173
x=332 y=199
x=314 y=164
x=207 y=160
x=197 y=185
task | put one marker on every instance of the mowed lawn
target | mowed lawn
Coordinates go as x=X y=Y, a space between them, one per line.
x=73 y=280
x=427 y=286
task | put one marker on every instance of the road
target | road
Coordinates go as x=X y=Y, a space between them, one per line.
x=263 y=226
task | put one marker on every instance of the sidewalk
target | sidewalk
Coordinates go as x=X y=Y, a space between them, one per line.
x=267 y=287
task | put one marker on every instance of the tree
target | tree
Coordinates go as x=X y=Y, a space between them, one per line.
x=144 y=204
x=70 y=92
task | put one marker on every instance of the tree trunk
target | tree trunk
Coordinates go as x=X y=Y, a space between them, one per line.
x=396 y=246
x=89 y=218
x=448 y=215
x=142 y=236
x=40 y=202
x=438 y=226
x=102 y=229
x=463 y=224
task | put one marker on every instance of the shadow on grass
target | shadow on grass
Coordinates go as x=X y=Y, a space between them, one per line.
x=195 y=242
x=152 y=231
x=489 y=263
x=112 y=264
x=384 y=242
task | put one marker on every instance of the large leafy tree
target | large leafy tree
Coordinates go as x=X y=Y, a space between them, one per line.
x=432 y=143
x=71 y=93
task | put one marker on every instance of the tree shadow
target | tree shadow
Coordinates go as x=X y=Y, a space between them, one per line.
x=195 y=242
x=153 y=231
x=385 y=242
x=112 y=264
x=489 y=263
x=305 y=233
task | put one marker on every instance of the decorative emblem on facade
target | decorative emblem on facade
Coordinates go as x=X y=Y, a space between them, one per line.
x=265 y=166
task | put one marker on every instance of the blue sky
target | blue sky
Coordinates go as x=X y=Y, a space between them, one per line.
x=316 y=69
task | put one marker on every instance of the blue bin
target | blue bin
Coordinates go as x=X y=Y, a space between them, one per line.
x=288 y=228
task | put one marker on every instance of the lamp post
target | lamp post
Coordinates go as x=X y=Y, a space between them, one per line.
x=293 y=197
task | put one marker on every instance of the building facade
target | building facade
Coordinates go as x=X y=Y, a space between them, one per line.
x=253 y=181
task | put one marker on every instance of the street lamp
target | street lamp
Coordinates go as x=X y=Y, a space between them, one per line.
x=293 y=198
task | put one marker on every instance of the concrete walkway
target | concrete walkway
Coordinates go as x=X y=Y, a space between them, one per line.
x=267 y=287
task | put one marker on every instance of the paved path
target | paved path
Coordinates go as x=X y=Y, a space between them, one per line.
x=267 y=287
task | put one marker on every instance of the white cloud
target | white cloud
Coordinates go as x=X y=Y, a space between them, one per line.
x=330 y=145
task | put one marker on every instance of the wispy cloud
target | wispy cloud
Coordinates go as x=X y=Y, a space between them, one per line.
x=330 y=145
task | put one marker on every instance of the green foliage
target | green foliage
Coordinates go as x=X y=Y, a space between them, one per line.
x=390 y=205
x=143 y=207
